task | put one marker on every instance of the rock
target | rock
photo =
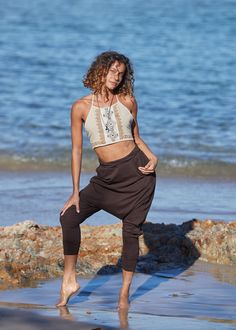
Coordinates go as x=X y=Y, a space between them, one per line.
x=30 y=252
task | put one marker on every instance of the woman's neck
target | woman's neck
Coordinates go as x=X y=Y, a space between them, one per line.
x=105 y=97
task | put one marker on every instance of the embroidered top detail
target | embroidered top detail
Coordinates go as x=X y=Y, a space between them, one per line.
x=110 y=124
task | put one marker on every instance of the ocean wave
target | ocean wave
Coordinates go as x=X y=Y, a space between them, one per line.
x=167 y=166
x=181 y=166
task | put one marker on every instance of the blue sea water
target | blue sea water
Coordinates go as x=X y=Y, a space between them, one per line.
x=183 y=52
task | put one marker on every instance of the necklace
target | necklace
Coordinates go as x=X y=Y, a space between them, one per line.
x=109 y=123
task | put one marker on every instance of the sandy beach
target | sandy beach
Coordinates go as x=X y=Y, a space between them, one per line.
x=16 y=319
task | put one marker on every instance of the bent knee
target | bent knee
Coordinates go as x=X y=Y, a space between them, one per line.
x=69 y=215
x=132 y=230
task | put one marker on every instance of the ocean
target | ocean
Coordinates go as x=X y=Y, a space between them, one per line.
x=183 y=53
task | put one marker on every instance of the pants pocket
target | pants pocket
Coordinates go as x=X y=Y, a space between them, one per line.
x=106 y=173
x=141 y=160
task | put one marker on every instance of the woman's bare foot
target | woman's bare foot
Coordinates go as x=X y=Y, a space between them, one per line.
x=66 y=292
x=123 y=299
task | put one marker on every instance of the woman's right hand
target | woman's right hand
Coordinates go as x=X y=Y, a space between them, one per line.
x=73 y=200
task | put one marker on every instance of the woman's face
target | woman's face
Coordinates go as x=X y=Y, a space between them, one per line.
x=115 y=75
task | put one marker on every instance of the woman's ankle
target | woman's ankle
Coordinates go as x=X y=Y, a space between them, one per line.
x=124 y=291
x=69 y=279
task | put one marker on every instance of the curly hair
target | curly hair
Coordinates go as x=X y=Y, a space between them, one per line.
x=94 y=78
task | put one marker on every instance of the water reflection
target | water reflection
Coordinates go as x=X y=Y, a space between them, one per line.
x=65 y=313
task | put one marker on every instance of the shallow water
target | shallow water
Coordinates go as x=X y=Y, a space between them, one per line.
x=40 y=195
x=200 y=296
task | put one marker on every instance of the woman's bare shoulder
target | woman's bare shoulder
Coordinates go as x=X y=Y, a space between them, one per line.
x=81 y=106
x=82 y=103
x=128 y=100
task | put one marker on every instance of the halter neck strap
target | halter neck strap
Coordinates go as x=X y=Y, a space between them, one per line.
x=92 y=99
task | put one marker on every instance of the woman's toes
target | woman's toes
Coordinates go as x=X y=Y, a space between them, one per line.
x=66 y=295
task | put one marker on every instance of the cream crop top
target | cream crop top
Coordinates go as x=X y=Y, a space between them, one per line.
x=110 y=124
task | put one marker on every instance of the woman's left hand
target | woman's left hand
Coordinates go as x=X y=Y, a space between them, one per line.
x=149 y=167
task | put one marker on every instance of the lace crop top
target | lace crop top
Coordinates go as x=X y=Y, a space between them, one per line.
x=107 y=125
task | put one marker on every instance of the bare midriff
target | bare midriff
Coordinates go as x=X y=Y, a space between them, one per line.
x=114 y=151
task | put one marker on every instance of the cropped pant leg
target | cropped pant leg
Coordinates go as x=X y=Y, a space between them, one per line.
x=132 y=227
x=71 y=220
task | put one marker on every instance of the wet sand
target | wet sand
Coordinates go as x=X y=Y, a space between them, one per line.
x=15 y=319
x=204 y=295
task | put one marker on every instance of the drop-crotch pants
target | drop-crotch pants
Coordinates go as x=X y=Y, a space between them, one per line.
x=121 y=189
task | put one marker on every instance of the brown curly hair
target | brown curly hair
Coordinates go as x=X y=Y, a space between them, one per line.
x=99 y=68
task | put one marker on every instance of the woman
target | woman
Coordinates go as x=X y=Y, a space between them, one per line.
x=125 y=180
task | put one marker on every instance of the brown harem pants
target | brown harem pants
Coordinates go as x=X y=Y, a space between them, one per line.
x=121 y=189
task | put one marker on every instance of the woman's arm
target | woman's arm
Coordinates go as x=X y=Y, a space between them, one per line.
x=76 y=154
x=153 y=160
x=77 y=144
